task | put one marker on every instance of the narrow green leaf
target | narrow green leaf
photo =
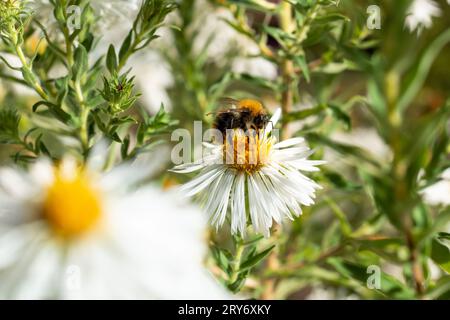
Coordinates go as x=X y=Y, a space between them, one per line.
x=301 y=62
x=59 y=113
x=111 y=59
x=252 y=261
x=440 y=253
x=421 y=70
x=81 y=64
x=125 y=46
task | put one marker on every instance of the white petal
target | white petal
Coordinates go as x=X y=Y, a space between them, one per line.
x=289 y=143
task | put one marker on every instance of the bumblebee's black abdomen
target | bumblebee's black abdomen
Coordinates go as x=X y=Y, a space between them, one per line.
x=232 y=119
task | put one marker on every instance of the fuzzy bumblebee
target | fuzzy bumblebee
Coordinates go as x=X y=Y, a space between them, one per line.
x=245 y=114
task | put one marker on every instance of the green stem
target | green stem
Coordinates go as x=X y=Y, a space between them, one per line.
x=69 y=51
x=84 y=110
x=287 y=67
x=111 y=156
x=84 y=115
x=26 y=66
x=416 y=266
x=130 y=51
x=237 y=261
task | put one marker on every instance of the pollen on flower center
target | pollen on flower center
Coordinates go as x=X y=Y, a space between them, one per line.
x=71 y=206
x=246 y=152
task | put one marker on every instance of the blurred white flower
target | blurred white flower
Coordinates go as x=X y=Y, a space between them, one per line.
x=153 y=73
x=111 y=12
x=256 y=66
x=420 y=15
x=217 y=37
x=439 y=193
x=364 y=138
x=72 y=232
x=323 y=293
x=262 y=180
x=154 y=78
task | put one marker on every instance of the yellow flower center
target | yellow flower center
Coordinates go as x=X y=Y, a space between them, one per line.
x=246 y=152
x=72 y=205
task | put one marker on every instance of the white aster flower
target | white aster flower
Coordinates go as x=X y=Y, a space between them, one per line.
x=263 y=180
x=69 y=232
x=420 y=15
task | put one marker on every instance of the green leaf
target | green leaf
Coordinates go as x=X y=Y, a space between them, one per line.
x=222 y=258
x=440 y=254
x=255 y=259
x=336 y=67
x=441 y=290
x=81 y=64
x=239 y=283
x=124 y=147
x=125 y=46
x=59 y=113
x=261 y=5
x=254 y=240
x=442 y=219
x=303 y=114
x=340 y=181
x=332 y=17
x=9 y=126
x=421 y=70
x=29 y=76
x=279 y=35
x=443 y=236
x=345 y=149
x=43 y=149
x=378 y=243
x=340 y=115
x=62 y=85
x=301 y=62
x=389 y=286
x=375 y=88
x=258 y=81
x=159 y=123
x=111 y=59
x=346 y=228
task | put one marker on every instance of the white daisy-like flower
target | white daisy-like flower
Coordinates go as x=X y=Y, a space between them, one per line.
x=70 y=232
x=420 y=15
x=111 y=12
x=253 y=176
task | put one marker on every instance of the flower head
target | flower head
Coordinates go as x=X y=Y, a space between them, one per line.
x=253 y=175
x=420 y=15
x=69 y=231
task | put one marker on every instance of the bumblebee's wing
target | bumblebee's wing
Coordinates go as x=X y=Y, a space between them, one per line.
x=228 y=103
x=217 y=112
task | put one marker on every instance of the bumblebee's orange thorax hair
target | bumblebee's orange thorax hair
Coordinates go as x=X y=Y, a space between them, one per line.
x=254 y=106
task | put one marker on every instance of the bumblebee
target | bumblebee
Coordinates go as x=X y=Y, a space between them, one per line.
x=245 y=114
